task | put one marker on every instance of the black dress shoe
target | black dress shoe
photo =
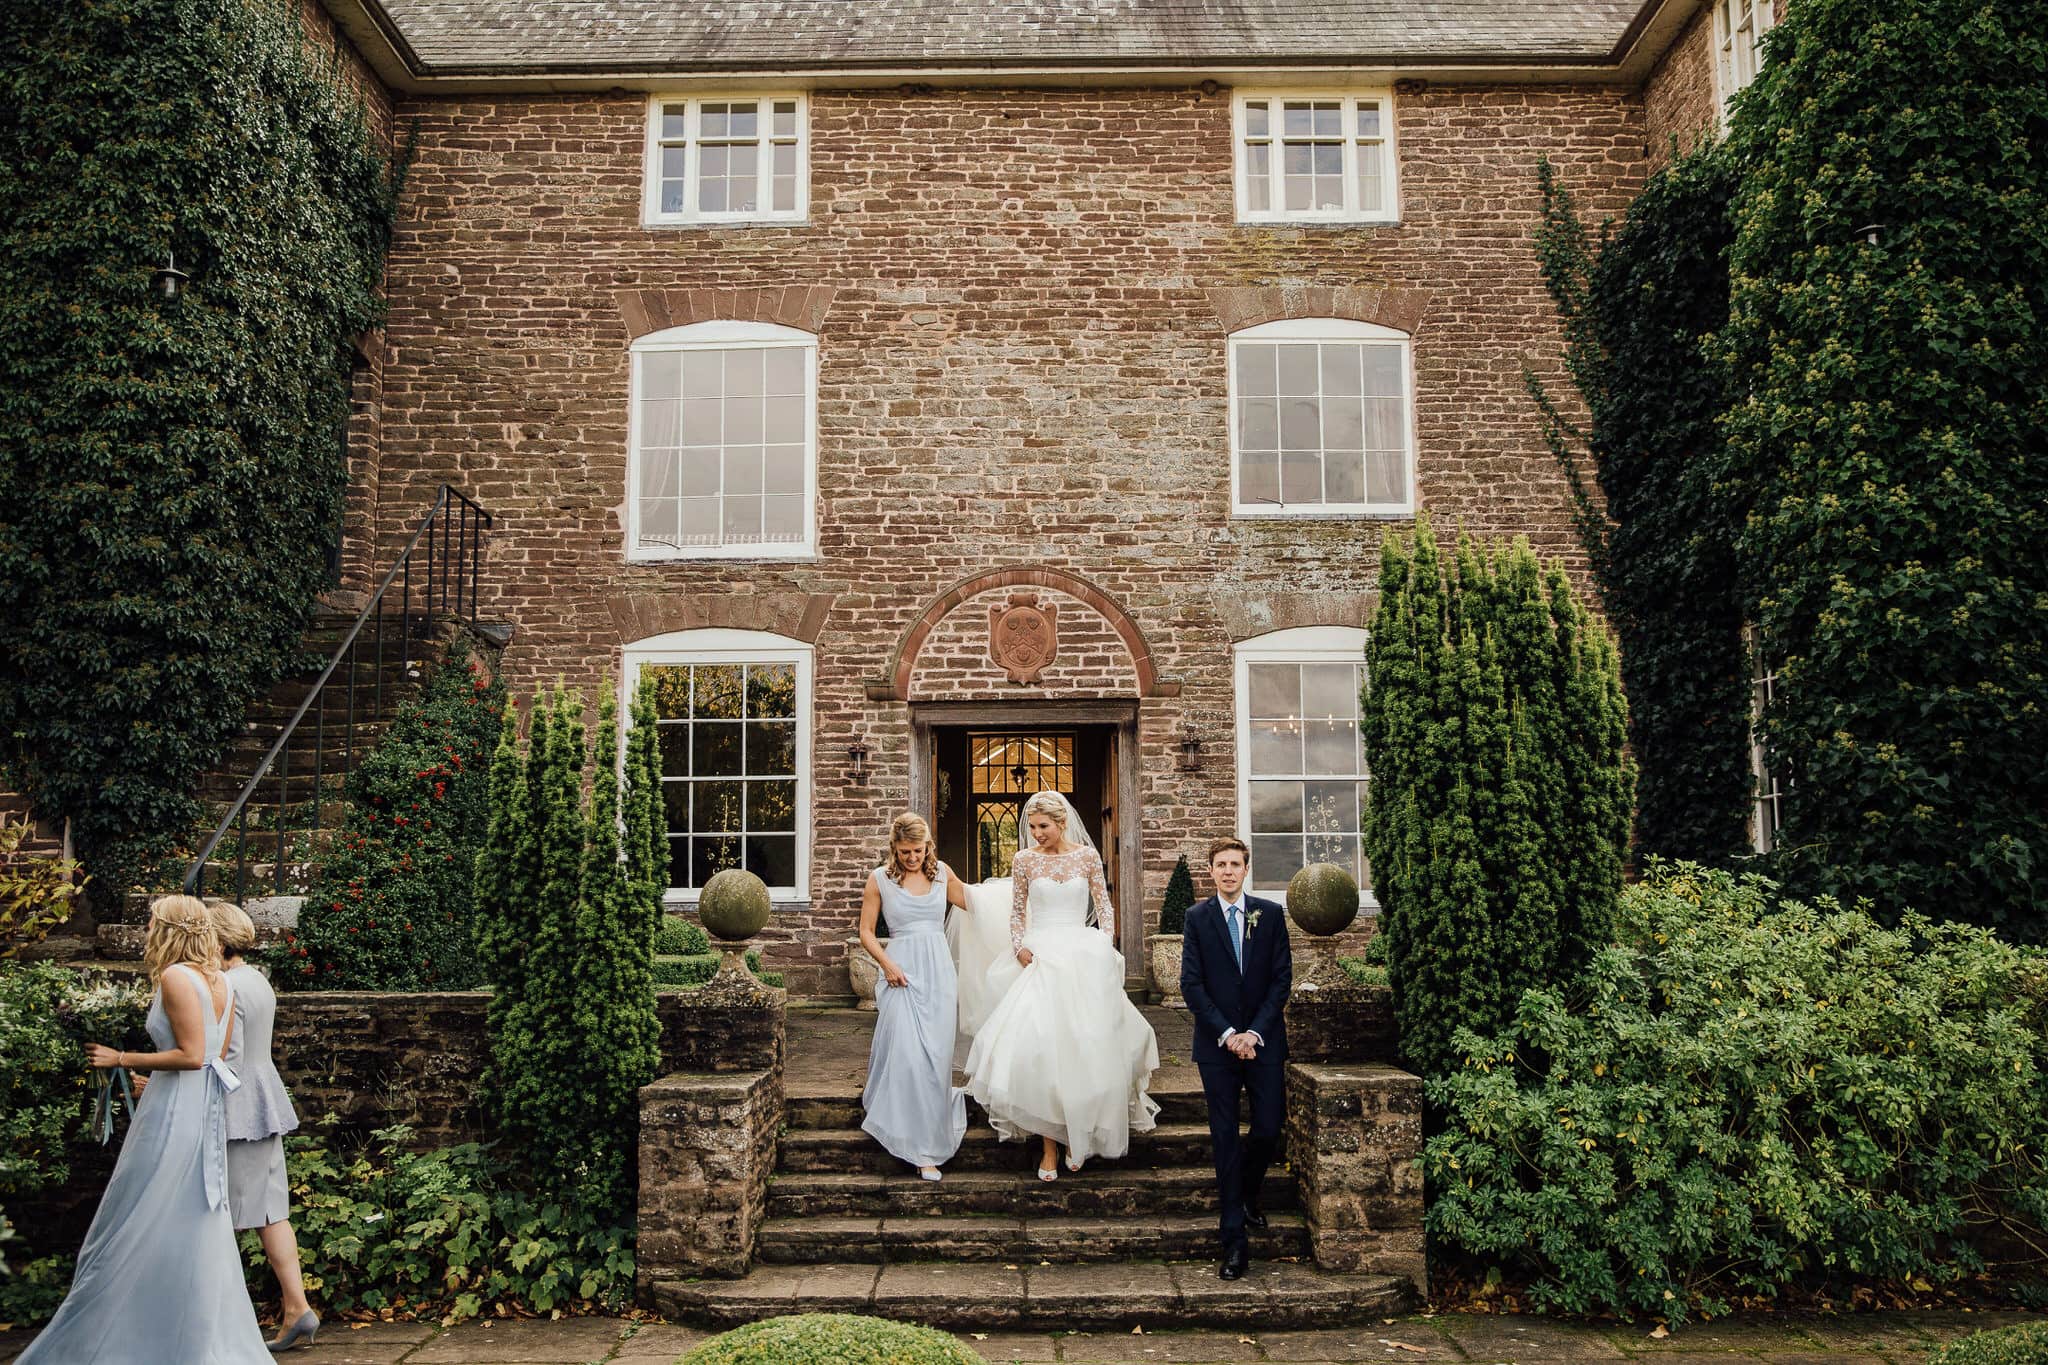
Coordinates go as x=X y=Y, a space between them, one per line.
x=1253 y=1219
x=1235 y=1262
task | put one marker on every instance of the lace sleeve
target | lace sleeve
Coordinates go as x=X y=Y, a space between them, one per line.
x=1105 y=913
x=1020 y=888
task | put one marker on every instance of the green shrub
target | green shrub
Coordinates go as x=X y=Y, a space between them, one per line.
x=1363 y=972
x=1637 y=309
x=47 y=1015
x=680 y=937
x=2024 y=1344
x=568 y=901
x=1494 y=728
x=1179 y=898
x=391 y=908
x=697 y=968
x=1746 y=1093
x=1891 y=441
x=208 y=430
x=831 y=1339
x=443 y=1234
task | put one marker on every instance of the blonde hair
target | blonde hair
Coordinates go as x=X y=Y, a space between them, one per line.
x=181 y=932
x=1051 y=805
x=232 y=925
x=910 y=828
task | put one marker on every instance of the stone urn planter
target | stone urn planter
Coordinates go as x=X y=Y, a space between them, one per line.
x=865 y=971
x=1322 y=900
x=1162 y=954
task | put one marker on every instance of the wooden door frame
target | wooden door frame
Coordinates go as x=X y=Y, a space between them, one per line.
x=1011 y=715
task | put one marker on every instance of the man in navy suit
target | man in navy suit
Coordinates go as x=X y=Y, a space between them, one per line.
x=1236 y=969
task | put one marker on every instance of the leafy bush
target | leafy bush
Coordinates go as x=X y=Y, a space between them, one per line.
x=47 y=1015
x=680 y=937
x=208 y=431
x=2025 y=1344
x=1637 y=308
x=697 y=968
x=444 y=1233
x=1891 y=440
x=391 y=908
x=36 y=893
x=831 y=1339
x=1747 y=1093
x=1494 y=728
x=1364 y=973
x=1179 y=899
x=567 y=911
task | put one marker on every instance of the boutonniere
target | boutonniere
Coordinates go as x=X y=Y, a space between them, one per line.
x=1251 y=921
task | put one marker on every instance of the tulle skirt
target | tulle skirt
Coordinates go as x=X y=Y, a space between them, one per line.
x=1063 y=1053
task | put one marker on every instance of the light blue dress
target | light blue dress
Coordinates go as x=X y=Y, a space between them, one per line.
x=912 y=1108
x=159 y=1279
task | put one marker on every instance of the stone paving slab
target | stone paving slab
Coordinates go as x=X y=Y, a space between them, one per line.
x=571 y=1341
x=1524 y=1340
x=1170 y=1348
x=1408 y=1341
x=1014 y=1348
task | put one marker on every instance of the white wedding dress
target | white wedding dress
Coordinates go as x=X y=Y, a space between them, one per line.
x=1058 y=1049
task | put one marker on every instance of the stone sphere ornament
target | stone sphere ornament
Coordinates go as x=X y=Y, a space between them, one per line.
x=1323 y=899
x=734 y=905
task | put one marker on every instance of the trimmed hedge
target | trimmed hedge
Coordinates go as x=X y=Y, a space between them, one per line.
x=1179 y=899
x=680 y=937
x=1747 y=1093
x=2024 y=1344
x=695 y=969
x=831 y=1339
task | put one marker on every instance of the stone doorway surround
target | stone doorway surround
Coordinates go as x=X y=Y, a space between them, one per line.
x=927 y=718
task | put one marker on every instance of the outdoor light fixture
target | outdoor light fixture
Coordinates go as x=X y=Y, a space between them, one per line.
x=168 y=280
x=1868 y=232
x=857 y=762
x=1190 y=747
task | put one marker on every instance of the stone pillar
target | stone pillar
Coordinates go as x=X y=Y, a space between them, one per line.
x=1333 y=1022
x=707 y=1147
x=1354 y=1136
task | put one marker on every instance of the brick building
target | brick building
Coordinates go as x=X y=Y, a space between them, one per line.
x=953 y=399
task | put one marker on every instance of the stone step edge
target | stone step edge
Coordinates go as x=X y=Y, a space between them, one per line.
x=981 y=1135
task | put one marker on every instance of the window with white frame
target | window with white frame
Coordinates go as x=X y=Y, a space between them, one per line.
x=721 y=456
x=1767 y=813
x=733 y=722
x=1301 y=775
x=1739 y=29
x=735 y=159
x=1315 y=158
x=1321 y=419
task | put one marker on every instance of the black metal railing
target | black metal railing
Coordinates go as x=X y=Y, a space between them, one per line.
x=446 y=549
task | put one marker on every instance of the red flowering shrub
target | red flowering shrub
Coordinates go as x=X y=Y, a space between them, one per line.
x=391 y=907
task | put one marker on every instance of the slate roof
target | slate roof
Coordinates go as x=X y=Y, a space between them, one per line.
x=508 y=36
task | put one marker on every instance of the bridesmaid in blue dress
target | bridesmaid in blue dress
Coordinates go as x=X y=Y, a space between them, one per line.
x=159 y=1278
x=911 y=1106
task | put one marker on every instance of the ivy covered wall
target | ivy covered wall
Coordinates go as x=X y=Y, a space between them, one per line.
x=173 y=469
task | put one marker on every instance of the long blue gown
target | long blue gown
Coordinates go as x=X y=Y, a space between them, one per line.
x=912 y=1108
x=159 y=1279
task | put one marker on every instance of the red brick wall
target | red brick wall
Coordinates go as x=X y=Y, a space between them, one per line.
x=1678 y=99
x=1021 y=362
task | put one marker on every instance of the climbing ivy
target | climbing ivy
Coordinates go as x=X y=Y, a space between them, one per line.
x=173 y=469
x=1889 y=436
x=1637 y=305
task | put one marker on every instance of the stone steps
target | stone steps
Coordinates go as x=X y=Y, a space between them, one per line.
x=1273 y=1295
x=1097 y=1192
x=823 y=1113
x=1063 y=1241
x=835 y=1150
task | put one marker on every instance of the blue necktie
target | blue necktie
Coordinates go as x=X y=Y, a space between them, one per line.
x=1236 y=937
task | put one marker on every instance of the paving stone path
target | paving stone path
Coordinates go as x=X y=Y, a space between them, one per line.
x=1876 y=1339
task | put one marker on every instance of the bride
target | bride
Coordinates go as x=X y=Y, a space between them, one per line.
x=1059 y=1051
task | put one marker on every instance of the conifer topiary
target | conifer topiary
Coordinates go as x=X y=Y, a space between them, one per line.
x=1498 y=814
x=1179 y=898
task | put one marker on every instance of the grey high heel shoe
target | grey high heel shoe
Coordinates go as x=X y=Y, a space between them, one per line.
x=308 y=1326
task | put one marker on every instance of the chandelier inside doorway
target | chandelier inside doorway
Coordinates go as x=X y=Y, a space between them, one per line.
x=1004 y=769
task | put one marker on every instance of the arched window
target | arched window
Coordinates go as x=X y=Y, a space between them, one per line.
x=1301 y=779
x=1322 y=419
x=722 y=443
x=733 y=709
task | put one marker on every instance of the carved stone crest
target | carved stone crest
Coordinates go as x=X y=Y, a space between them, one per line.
x=1023 y=636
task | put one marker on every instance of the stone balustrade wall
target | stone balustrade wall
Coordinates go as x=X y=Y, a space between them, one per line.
x=1354 y=1136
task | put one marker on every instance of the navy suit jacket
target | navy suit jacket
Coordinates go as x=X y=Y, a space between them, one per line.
x=1222 y=997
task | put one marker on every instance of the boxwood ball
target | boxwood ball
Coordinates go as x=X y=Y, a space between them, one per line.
x=734 y=905
x=1323 y=899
